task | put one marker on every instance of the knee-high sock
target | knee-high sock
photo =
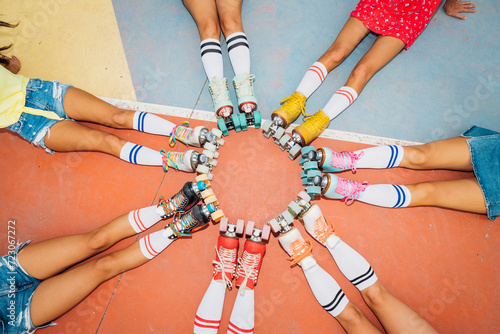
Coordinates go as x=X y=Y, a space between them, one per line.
x=154 y=243
x=387 y=195
x=211 y=57
x=351 y=263
x=140 y=155
x=313 y=78
x=326 y=290
x=150 y=123
x=380 y=157
x=144 y=218
x=239 y=52
x=342 y=99
x=242 y=317
x=209 y=312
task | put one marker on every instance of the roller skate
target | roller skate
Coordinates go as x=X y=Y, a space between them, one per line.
x=283 y=223
x=227 y=251
x=300 y=250
x=317 y=226
x=189 y=195
x=334 y=187
x=226 y=119
x=250 y=261
x=247 y=103
x=198 y=137
x=327 y=160
x=189 y=161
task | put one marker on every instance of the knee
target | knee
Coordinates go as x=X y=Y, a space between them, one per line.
x=424 y=193
x=120 y=118
x=351 y=315
x=106 y=267
x=230 y=24
x=209 y=28
x=375 y=295
x=112 y=143
x=362 y=72
x=337 y=55
x=99 y=240
x=418 y=156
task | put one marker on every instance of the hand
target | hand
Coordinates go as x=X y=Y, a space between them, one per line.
x=14 y=64
x=455 y=7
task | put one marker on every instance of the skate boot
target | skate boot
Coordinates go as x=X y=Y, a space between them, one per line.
x=226 y=119
x=188 y=161
x=335 y=187
x=198 y=217
x=283 y=223
x=300 y=250
x=281 y=118
x=329 y=161
x=250 y=261
x=188 y=196
x=227 y=251
x=198 y=137
x=247 y=103
x=317 y=226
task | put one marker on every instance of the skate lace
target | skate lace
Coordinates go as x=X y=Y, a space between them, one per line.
x=247 y=268
x=182 y=223
x=219 y=90
x=226 y=264
x=300 y=250
x=296 y=100
x=244 y=87
x=173 y=159
x=180 y=132
x=345 y=160
x=318 y=121
x=176 y=203
x=322 y=229
x=350 y=189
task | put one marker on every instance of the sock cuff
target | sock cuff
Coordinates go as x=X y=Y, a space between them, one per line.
x=404 y=196
x=139 y=117
x=210 y=45
x=320 y=69
x=235 y=37
x=348 y=92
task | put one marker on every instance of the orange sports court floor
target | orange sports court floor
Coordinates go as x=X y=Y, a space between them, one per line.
x=440 y=262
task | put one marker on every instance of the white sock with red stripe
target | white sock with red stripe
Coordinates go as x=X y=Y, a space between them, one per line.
x=380 y=157
x=140 y=155
x=351 y=264
x=242 y=317
x=313 y=78
x=326 y=290
x=150 y=123
x=239 y=52
x=154 y=243
x=342 y=99
x=211 y=57
x=144 y=218
x=209 y=312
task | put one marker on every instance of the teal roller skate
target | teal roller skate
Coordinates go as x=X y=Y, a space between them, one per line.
x=247 y=103
x=330 y=161
x=226 y=119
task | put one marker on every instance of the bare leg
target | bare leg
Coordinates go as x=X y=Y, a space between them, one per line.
x=349 y=37
x=204 y=13
x=230 y=16
x=50 y=257
x=66 y=136
x=394 y=315
x=382 y=51
x=57 y=295
x=452 y=153
x=354 y=321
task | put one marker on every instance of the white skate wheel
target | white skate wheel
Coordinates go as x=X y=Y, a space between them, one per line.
x=304 y=196
x=279 y=133
x=266 y=232
x=212 y=162
x=294 y=151
x=287 y=216
x=223 y=224
x=203 y=169
x=220 y=141
x=249 y=229
x=207 y=193
x=217 y=216
x=210 y=147
x=208 y=154
x=217 y=133
x=267 y=124
x=240 y=226
x=216 y=155
x=294 y=208
x=274 y=225
x=284 y=140
x=210 y=176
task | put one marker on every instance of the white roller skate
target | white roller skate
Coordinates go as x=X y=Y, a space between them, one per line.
x=300 y=250
x=226 y=119
x=317 y=226
x=247 y=103
x=189 y=161
x=198 y=137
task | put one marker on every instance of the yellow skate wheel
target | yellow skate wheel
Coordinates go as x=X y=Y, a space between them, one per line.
x=207 y=193
x=204 y=178
x=217 y=216
x=211 y=199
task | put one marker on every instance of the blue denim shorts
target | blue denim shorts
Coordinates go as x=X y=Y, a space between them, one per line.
x=43 y=95
x=484 y=146
x=16 y=290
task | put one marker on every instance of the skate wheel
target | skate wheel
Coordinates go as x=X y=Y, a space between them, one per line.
x=222 y=126
x=204 y=178
x=305 y=181
x=223 y=224
x=266 y=126
x=243 y=121
x=249 y=229
x=220 y=141
x=283 y=140
x=306 y=149
x=210 y=147
x=212 y=162
x=236 y=122
x=217 y=133
x=208 y=154
x=217 y=216
x=303 y=174
x=302 y=160
x=294 y=152
x=294 y=208
x=304 y=196
x=216 y=155
x=274 y=225
x=240 y=226
x=288 y=217
x=207 y=193
x=210 y=176
x=257 y=119
x=211 y=199
x=313 y=191
x=312 y=173
x=266 y=232
x=310 y=165
x=203 y=170
x=279 y=133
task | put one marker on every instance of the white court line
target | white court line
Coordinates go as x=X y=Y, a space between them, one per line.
x=210 y=117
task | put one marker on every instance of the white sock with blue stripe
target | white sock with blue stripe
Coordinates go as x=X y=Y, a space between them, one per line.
x=146 y=122
x=386 y=195
x=140 y=155
x=380 y=157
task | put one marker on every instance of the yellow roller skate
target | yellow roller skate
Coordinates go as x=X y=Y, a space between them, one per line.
x=311 y=128
x=290 y=109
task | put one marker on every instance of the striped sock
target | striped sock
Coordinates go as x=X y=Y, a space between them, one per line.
x=387 y=195
x=242 y=317
x=144 y=218
x=326 y=290
x=211 y=57
x=154 y=243
x=352 y=264
x=380 y=157
x=209 y=312
x=239 y=52
x=140 y=155
x=313 y=78
x=146 y=122
x=342 y=99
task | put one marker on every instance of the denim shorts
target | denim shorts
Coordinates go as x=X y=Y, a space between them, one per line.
x=16 y=290
x=43 y=95
x=484 y=146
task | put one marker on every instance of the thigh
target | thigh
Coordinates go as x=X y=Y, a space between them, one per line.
x=204 y=13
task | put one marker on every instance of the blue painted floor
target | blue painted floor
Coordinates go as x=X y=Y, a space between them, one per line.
x=448 y=80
